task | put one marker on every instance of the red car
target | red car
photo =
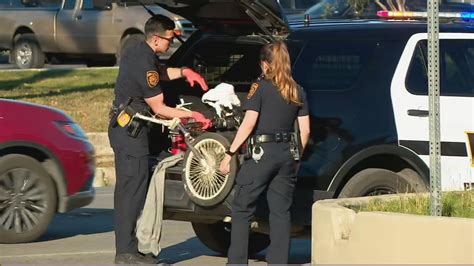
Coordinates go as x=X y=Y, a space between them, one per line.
x=46 y=166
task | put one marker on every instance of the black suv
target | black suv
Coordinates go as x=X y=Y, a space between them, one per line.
x=366 y=84
x=340 y=9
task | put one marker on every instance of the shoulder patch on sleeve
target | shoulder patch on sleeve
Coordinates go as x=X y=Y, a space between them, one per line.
x=152 y=77
x=252 y=90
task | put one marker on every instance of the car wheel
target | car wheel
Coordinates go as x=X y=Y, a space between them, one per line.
x=204 y=183
x=128 y=41
x=27 y=199
x=375 y=181
x=216 y=237
x=27 y=52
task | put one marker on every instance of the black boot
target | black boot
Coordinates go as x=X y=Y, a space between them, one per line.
x=133 y=258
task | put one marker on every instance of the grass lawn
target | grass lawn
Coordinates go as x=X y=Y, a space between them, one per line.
x=455 y=204
x=85 y=94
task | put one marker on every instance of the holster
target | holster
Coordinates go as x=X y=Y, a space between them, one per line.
x=134 y=126
x=295 y=148
x=113 y=112
x=247 y=148
x=296 y=142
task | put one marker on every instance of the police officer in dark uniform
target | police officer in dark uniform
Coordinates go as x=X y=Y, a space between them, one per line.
x=273 y=105
x=138 y=87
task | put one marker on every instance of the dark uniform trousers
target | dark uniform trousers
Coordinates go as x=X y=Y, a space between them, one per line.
x=132 y=176
x=276 y=170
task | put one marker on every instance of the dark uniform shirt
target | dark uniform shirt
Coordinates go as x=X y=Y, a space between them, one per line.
x=138 y=78
x=275 y=114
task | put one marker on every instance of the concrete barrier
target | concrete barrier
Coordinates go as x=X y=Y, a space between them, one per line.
x=342 y=236
x=104 y=157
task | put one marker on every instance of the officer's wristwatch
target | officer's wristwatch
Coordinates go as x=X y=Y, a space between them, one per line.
x=228 y=152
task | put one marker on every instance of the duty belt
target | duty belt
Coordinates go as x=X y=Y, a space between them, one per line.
x=277 y=137
x=113 y=112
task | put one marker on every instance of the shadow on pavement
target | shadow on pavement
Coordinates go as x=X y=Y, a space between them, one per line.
x=192 y=248
x=186 y=250
x=300 y=252
x=84 y=221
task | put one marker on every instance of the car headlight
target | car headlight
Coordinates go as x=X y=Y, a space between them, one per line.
x=71 y=129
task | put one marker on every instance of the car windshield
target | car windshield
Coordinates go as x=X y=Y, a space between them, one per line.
x=328 y=9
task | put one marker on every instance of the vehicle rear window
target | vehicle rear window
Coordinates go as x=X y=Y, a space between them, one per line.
x=294 y=49
x=332 y=65
x=227 y=62
x=456 y=68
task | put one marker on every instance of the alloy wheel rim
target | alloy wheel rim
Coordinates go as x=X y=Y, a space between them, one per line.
x=23 y=200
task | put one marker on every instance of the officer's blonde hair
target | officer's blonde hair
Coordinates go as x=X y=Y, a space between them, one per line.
x=276 y=55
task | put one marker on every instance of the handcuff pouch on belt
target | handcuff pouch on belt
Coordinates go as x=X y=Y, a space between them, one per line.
x=255 y=150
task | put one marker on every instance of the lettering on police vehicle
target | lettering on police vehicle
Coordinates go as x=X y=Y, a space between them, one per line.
x=152 y=78
x=252 y=91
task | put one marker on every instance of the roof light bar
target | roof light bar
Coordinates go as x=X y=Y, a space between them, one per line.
x=415 y=14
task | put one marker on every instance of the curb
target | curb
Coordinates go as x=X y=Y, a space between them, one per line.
x=104 y=176
x=104 y=158
x=100 y=141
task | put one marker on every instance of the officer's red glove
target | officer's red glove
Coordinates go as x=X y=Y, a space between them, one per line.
x=206 y=123
x=192 y=77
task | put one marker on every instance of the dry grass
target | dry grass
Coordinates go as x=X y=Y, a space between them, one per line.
x=455 y=204
x=86 y=95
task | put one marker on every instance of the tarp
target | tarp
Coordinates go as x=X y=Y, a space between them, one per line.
x=149 y=223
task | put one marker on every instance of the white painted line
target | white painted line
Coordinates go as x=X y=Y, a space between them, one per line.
x=58 y=254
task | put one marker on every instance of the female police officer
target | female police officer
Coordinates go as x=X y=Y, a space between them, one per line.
x=138 y=84
x=273 y=104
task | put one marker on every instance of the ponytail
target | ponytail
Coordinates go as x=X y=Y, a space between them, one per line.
x=276 y=54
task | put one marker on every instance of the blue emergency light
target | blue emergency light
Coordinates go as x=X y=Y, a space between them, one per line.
x=467 y=15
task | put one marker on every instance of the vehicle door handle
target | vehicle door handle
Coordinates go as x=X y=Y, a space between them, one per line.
x=417 y=112
x=78 y=17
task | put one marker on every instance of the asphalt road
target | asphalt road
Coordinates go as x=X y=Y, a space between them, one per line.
x=85 y=236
